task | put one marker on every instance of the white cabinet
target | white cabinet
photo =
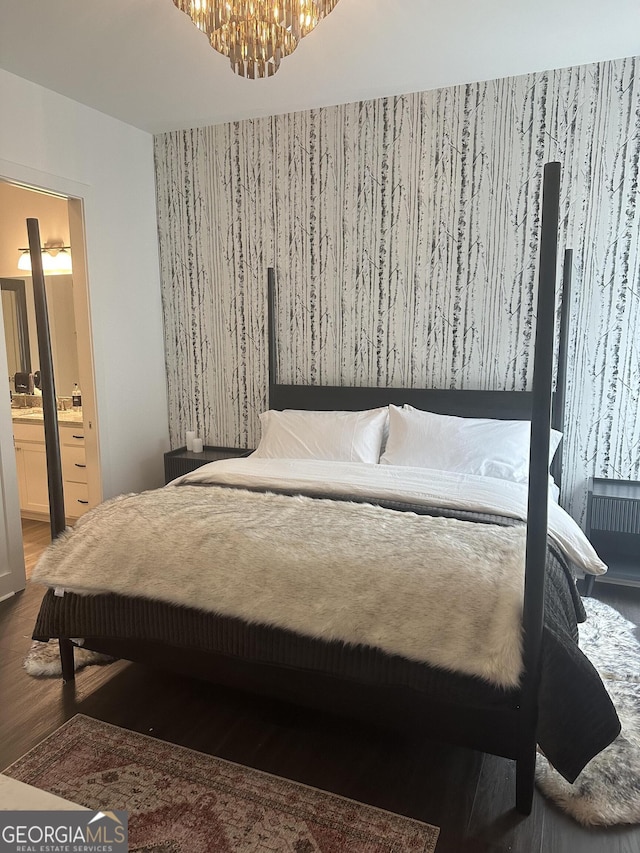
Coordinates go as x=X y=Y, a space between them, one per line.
x=74 y=470
x=31 y=463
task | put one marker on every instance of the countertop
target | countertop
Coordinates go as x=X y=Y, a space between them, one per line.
x=34 y=416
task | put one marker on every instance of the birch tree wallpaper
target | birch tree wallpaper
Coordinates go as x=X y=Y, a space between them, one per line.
x=404 y=233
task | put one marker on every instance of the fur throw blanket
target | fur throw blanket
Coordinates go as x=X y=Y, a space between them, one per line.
x=438 y=590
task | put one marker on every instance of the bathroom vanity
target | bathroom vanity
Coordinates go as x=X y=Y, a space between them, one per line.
x=31 y=463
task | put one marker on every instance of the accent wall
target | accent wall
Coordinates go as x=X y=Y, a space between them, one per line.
x=404 y=232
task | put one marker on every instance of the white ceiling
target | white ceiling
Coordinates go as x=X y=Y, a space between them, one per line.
x=145 y=63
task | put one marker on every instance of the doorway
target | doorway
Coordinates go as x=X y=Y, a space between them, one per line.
x=62 y=236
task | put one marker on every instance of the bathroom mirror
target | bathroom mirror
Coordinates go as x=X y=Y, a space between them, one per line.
x=16 y=325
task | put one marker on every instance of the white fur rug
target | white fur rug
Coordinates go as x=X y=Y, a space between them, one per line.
x=43 y=659
x=607 y=791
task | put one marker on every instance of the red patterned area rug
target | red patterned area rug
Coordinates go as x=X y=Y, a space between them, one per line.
x=183 y=801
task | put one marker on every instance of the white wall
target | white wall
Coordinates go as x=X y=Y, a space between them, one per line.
x=16 y=204
x=56 y=143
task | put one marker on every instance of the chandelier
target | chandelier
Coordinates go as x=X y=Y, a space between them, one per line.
x=255 y=34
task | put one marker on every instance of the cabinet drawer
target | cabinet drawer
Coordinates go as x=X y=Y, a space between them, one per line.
x=76 y=499
x=74 y=464
x=28 y=432
x=72 y=436
x=615 y=514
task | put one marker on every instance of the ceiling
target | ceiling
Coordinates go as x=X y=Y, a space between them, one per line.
x=144 y=62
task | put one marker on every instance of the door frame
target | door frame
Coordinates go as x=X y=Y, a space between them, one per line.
x=12 y=572
x=80 y=206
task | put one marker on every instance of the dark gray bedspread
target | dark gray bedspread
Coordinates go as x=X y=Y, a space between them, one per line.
x=576 y=716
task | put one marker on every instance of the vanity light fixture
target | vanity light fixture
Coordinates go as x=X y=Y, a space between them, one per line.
x=255 y=34
x=56 y=260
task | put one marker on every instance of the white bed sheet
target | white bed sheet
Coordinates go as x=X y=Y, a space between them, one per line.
x=423 y=486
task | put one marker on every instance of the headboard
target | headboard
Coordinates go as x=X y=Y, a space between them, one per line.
x=505 y=405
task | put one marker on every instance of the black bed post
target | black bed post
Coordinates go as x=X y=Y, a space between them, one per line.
x=536 y=550
x=50 y=412
x=271 y=329
x=559 y=398
x=49 y=407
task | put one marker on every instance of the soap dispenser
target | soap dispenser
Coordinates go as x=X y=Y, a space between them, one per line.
x=76 y=398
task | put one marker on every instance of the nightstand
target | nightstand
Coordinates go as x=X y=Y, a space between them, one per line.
x=181 y=461
x=613 y=528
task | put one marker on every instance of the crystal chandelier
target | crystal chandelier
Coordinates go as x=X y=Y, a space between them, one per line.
x=255 y=34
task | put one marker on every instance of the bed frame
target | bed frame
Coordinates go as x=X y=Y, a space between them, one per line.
x=507 y=729
x=514 y=738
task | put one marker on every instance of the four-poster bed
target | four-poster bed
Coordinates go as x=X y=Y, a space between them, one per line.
x=361 y=679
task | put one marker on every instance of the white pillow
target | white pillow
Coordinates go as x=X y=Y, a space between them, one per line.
x=482 y=446
x=333 y=436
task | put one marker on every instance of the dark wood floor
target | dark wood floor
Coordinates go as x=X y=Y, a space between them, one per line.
x=468 y=794
x=36 y=535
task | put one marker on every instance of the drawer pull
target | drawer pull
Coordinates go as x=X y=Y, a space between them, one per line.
x=77 y=436
x=82 y=502
x=79 y=465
